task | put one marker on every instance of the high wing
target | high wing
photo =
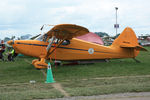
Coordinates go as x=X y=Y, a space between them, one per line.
x=63 y=32
x=67 y=31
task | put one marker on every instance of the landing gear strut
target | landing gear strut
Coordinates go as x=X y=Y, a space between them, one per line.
x=137 y=61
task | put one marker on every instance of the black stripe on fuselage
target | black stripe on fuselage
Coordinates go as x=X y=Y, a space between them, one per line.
x=31 y=44
x=60 y=47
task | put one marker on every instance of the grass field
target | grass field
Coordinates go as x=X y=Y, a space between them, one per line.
x=119 y=75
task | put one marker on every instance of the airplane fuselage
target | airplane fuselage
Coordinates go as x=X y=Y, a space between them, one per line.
x=57 y=40
x=76 y=50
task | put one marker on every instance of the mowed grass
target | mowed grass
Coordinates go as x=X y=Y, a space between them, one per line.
x=15 y=80
x=76 y=80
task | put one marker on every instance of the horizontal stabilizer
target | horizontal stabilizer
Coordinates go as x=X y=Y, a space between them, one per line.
x=140 y=48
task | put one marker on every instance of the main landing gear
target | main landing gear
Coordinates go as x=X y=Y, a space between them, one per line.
x=39 y=64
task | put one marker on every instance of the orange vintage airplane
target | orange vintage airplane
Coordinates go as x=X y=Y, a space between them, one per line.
x=61 y=39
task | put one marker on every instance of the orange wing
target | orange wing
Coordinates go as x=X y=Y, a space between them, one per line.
x=67 y=31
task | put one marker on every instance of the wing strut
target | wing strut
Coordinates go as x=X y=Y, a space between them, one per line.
x=50 y=44
x=60 y=42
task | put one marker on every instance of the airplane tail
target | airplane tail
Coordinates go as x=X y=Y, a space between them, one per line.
x=127 y=39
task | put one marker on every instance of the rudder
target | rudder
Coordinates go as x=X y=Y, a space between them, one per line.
x=127 y=38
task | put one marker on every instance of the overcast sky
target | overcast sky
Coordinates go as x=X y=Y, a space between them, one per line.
x=18 y=17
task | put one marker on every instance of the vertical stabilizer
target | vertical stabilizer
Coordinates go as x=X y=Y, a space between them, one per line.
x=126 y=38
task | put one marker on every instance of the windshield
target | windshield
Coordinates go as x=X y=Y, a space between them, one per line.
x=40 y=38
x=44 y=38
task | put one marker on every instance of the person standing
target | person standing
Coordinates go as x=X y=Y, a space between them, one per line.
x=12 y=55
x=2 y=50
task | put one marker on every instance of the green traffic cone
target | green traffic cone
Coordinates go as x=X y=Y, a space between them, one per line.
x=49 y=74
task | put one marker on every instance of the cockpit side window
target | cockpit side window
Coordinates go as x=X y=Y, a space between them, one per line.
x=65 y=42
x=45 y=37
x=56 y=41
